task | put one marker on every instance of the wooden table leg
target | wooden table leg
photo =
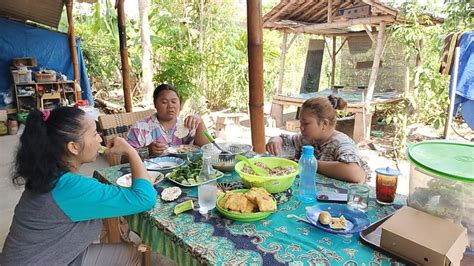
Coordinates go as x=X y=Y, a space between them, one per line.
x=277 y=114
x=359 y=128
x=113 y=231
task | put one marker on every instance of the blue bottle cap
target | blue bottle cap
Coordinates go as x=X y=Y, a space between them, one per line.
x=387 y=171
x=308 y=150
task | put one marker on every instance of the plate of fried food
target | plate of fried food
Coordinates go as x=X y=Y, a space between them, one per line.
x=337 y=218
x=181 y=151
x=246 y=205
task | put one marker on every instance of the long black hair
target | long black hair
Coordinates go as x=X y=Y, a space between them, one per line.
x=40 y=158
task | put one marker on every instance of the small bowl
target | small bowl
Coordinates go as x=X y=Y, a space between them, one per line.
x=273 y=184
x=222 y=161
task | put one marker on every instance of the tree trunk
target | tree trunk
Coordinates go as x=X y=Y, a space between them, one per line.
x=147 y=65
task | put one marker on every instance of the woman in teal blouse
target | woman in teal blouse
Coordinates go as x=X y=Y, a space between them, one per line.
x=58 y=215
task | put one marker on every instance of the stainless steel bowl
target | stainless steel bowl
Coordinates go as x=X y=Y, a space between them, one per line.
x=225 y=161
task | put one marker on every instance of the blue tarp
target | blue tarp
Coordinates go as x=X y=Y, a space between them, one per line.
x=50 y=48
x=465 y=79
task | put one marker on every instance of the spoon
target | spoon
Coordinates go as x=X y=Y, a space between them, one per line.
x=258 y=170
x=213 y=141
x=300 y=219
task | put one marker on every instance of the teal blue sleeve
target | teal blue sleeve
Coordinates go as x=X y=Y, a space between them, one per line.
x=83 y=198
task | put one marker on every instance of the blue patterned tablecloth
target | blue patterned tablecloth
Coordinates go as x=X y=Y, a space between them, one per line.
x=192 y=239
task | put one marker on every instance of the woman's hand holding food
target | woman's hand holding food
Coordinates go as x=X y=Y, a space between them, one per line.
x=192 y=122
x=120 y=146
x=156 y=148
x=274 y=145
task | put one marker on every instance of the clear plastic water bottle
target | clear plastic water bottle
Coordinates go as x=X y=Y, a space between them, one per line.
x=207 y=192
x=307 y=171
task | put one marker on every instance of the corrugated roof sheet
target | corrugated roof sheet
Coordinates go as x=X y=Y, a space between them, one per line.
x=46 y=12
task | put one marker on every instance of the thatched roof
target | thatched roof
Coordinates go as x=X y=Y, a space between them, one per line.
x=311 y=16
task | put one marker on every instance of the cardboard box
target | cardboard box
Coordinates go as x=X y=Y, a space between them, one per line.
x=423 y=238
x=3 y=115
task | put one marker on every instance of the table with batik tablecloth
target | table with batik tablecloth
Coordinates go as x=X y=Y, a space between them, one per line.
x=191 y=238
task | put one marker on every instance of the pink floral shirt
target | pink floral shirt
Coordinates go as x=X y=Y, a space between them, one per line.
x=149 y=129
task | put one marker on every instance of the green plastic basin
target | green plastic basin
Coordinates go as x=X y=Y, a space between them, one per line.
x=273 y=184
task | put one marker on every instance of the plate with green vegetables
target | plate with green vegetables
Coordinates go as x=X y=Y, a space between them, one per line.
x=188 y=175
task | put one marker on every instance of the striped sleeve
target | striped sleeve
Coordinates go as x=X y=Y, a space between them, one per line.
x=82 y=198
x=133 y=137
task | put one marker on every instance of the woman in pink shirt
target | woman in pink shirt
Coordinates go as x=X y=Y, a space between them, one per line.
x=164 y=128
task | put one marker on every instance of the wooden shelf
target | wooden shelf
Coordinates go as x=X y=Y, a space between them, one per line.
x=40 y=97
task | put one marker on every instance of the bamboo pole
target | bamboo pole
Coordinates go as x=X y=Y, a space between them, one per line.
x=255 y=51
x=124 y=56
x=282 y=62
x=452 y=94
x=375 y=65
x=333 y=57
x=72 y=40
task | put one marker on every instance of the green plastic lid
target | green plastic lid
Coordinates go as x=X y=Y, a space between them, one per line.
x=454 y=160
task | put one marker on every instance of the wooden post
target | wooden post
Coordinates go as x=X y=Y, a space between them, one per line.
x=376 y=63
x=255 y=50
x=333 y=57
x=452 y=94
x=127 y=95
x=407 y=78
x=72 y=40
x=282 y=62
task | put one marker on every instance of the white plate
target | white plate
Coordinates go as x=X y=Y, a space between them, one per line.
x=126 y=180
x=163 y=164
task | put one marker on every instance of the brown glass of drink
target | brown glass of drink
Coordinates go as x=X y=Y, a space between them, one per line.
x=386 y=185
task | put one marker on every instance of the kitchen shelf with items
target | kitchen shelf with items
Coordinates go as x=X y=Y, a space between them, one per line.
x=45 y=95
x=45 y=92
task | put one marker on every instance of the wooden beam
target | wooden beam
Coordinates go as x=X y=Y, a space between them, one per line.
x=72 y=40
x=352 y=34
x=255 y=54
x=347 y=23
x=376 y=63
x=318 y=14
x=330 y=12
x=342 y=44
x=315 y=7
x=124 y=56
x=292 y=40
x=301 y=8
x=381 y=7
x=280 y=11
x=281 y=71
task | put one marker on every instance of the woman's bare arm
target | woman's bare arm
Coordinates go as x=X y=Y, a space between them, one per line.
x=350 y=172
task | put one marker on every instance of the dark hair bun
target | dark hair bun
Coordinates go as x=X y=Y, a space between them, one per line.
x=337 y=102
